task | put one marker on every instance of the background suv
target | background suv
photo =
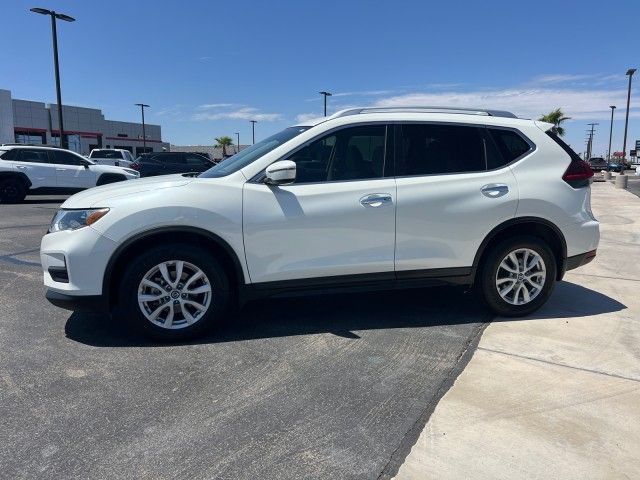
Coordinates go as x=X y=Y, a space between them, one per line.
x=26 y=169
x=376 y=198
x=164 y=163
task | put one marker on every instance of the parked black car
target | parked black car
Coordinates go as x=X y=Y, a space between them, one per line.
x=598 y=164
x=164 y=163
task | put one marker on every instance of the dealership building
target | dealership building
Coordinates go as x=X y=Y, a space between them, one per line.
x=26 y=121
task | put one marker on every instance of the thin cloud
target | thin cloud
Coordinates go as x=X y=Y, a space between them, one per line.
x=579 y=104
x=305 y=117
x=211 y=106
x=246 y=113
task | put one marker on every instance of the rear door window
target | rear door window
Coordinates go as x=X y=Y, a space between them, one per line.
x=432 y=149
x=32 y=156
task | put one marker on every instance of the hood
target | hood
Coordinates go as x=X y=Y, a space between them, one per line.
x=99 y=196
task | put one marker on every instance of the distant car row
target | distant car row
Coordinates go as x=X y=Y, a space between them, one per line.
x=155 y=163
x=599 y=164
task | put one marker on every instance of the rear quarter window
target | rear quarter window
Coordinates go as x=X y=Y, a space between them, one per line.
x=510 y=144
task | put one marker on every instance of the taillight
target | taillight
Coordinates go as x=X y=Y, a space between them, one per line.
x=135 y=166
x=578 y=174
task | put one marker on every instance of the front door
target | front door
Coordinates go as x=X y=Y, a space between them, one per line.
x=336 y=219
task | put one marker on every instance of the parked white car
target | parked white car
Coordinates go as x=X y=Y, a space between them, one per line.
x=112 y=156
x=25 y=169
x=377 y=198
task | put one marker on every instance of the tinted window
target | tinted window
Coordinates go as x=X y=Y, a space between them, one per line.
x=428 y=149
x=510 y=144
x=349 y=154
x=195 y=160
x=252 y=153
x=8 y=154
x=66 y=158
x=34 y=156
x=106 y=154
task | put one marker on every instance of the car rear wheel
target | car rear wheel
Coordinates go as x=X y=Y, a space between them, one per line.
x=12 y=191
x=175 y=292
x=518 y=276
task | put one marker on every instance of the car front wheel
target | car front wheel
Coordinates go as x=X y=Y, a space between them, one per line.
x=174 y=292
x=518 y=276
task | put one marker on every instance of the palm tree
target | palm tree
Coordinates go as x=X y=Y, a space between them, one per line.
x=556 y=117
x=224 y=142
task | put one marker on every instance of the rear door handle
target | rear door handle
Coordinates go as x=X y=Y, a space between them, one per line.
x=376 y=200
x=61 y=169
x=495 y=190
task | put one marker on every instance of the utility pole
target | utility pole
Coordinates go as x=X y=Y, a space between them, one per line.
x=612 y=107
x=238 y=136
x=253 y=130
x=325 y=95
x=591 y=137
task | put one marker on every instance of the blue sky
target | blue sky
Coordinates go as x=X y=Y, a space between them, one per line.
x=207 y=67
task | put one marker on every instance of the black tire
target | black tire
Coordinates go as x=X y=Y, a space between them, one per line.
x=12 y=190
x=106 y=178
x=132 y=277
x=489 y=270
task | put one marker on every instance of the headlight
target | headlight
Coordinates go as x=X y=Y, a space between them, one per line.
x=132 y=172
x=74 y=219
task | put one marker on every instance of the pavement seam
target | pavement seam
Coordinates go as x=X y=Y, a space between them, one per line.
x=604 y=276
x=399 y=455
x=548 y=362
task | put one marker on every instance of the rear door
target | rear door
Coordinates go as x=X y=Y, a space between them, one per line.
x=454 y=187
x=36 y=164
x=72 y=171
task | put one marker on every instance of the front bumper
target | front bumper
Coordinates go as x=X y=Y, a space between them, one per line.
x=77 y=303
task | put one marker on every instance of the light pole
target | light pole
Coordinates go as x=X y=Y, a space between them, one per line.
x=612 y=107
x=253 y=130
x=325 y=95
x=54 y=34
x=238 y=136
x=144 y=133
x=630 y=72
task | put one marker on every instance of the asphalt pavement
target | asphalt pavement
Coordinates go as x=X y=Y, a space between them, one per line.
x=317 y=387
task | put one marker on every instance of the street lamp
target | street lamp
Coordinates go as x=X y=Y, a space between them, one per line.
x=144 y=133
x=238 y=136
x=612 y=107
x=630 y=72
x=54 y=34
x=325 y=95
x=253 y=130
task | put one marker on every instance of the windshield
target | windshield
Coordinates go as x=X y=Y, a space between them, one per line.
x=252 y=153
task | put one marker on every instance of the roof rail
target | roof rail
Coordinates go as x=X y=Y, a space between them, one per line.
x=464 y=111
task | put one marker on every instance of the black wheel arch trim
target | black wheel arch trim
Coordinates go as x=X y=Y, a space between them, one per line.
x=515 y=221
x=106 y=280
x=20 y=175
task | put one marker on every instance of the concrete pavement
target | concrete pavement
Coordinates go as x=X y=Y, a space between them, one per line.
x=557 y=394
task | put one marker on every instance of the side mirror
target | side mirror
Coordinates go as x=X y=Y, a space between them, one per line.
x=281 y=173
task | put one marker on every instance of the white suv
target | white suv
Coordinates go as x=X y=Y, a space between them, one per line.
x=379 y=198
x=26 y=169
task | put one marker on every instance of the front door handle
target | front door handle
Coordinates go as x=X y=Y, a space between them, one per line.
x=495 y=190
x=376 y=200
x=61 y=169
x=21 y=167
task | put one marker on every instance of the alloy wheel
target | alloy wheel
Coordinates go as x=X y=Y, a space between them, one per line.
x=174 y=294
x=521 y=276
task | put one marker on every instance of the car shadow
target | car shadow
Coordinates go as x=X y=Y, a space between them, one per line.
x=345 y=315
